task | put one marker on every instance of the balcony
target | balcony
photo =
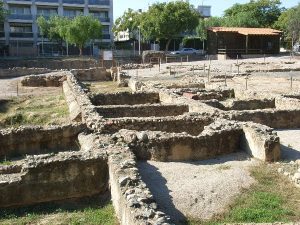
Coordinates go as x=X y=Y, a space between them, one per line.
x=29 y=1
x=48 y=16
x=102 y=19
x=20 y=35
x=2 y=34
x=105 y=36
x=19 y=17
x=47 y=1
x=73 y=2
x=99 y=2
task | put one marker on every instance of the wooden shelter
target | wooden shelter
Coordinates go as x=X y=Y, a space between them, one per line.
x=232 y=41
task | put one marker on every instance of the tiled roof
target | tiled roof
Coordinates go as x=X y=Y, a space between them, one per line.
x=246 y=31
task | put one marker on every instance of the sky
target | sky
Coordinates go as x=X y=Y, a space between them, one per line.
x=218 y=6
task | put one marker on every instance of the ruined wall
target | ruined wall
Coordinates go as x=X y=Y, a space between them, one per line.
x=38 y=140
x=141 y=110
x=133 y=202
x=52 y=64
x=192 y=125
x=49 y=178
x=92 y=74
x=49 y=80
x=285 y=103
x=125 y=98
x=261 y=142
x=22 y=71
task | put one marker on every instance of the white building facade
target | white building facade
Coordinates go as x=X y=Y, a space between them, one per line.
x=19 y=33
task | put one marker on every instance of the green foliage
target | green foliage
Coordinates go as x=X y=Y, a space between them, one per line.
x=204 y=24
x=3 y=12
x=256 y=13
x=168 y=20
x=82 y=29
x=129 y=21
x=77 y=31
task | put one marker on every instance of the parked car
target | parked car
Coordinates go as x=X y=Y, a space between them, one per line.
x=186 y=51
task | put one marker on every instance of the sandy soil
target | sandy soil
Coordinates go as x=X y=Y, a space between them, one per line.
x=290 y=144
x=198 y=189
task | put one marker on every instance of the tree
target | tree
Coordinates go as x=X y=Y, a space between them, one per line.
x=82 y=29
x=168 y=20
x=129 y=21
x=256 y=13
x=289 y=23
x=3 y=12
x=204 y=24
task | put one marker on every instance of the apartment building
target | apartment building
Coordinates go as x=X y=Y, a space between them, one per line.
x=19 y=35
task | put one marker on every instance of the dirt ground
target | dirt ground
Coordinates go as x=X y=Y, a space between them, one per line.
x=290 y=144
x=199 y=189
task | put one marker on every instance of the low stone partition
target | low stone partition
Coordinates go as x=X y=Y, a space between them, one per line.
x=22 y=71
x=202 y=94
x=48 y=178
x=46 y=80
x=80 y=105
x=285 y=103
x=38 y=140
x=219 y=138
x=278 y=119
x=92 y=74
x=261 y=142
x=156 y=110
x=249 y=104
x=133 y=202
x=190 y=124
x=125 y=98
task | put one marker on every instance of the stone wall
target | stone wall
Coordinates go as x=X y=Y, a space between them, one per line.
x=133 y=202
x=38 y=140
x=125 y=98
x=192 y=125
x=92 y=74
x=141 y=110
x=47 y=80
x=48 y=178
x=22 y=71
x=219 y=138
x=261 y=142
x=52 y=64
x=284 y=103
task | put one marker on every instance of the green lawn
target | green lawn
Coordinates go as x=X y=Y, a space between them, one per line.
x=272 y=199
x=92 y=215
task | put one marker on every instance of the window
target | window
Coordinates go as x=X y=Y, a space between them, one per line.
x=99 y=14
x=20 y=10
x=21 y=28
x=72 y=12
x=46 y=11
x=105 y=29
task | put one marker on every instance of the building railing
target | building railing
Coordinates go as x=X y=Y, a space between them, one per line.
x=20 y=17
x=21 y=35
x=99 y=2
x=73 y=1
x=19 y=0
x=46 y=16
x=50 y=1
x=107 y=20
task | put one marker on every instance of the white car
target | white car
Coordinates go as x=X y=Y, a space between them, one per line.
x=186 y=51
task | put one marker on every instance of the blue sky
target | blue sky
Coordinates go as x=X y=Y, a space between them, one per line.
x=218 y=6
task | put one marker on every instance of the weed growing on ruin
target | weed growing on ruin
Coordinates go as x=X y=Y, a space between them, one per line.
x=37 y=110
x=272 y=199
x=224 y=167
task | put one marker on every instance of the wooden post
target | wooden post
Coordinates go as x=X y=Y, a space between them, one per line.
x=291 y=82
x=193 y=71
x=204 y=68
x=247 y=40
x=238 y=66
x=170 y=70
x=225 y=79
x=181 y=60
x=246 y=82
x=208 y=73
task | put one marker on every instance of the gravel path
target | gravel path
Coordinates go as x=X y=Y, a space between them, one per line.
x=197 y=189
x=290 y=144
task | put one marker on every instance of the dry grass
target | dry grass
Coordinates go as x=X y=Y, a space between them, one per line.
x=272 y=199
x=34 y=110
x=106 y=87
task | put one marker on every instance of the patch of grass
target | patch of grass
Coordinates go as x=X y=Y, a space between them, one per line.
x=5 y=163
x=106 y=87
x=272 y=199
x=51 y=214
x=35 y=110
x=224 y=167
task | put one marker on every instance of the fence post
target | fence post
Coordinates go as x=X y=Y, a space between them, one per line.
x=17 y=88
x=204 y=68
x=225 y=79
x=208 y=74
x=193 y=71
x=246 y=82
x=170 y=70
x=181 y=60
x=291 y=82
